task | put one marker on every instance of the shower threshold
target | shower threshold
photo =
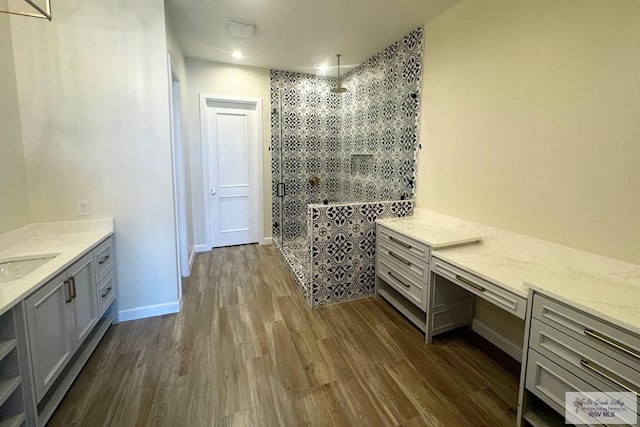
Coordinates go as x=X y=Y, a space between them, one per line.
x=296 y=255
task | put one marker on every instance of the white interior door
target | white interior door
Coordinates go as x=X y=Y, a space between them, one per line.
x=234 y=173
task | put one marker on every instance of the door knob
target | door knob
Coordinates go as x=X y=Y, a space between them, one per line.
x=213 y=191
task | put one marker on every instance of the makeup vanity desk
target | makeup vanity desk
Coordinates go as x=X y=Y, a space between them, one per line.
x=581 y=311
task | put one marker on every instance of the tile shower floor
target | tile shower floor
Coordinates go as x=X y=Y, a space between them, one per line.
x=296 y=253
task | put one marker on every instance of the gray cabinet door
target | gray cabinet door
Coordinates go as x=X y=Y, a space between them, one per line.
x=84 y=307
x=49 y=332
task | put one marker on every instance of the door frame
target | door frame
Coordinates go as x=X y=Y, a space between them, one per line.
x=178 y=220
x=179 y=169
x=204 y=139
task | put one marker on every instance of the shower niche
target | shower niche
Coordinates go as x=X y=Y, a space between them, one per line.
x=341 y=161
x=362 y=166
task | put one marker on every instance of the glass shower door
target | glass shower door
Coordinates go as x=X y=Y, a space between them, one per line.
x=277 y=183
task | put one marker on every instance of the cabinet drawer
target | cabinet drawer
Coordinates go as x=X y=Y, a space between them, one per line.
x=106 y=293
x=599 y=370
x=103 y=259
x=550 y=382
x=403 y=245
x=512 y=303
x=403 y=283
x=404 y=263
x=621 y=345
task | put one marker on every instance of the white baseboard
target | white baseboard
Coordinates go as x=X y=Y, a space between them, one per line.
x=148 y=311
x=201 y=248
x=498 y=340
x=267 y=241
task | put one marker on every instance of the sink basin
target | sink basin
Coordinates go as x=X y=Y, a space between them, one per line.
x=16 y=268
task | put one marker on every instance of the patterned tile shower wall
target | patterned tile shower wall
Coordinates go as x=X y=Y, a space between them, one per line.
x=305 y=116
x=379 y=123
x=343 y=241
x=362 y=144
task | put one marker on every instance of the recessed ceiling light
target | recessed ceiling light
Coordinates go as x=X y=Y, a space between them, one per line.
x=238 y=54
x=322 y=68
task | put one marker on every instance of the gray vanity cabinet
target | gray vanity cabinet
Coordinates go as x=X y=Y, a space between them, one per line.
x=570 y=350
x=84 y=310
x=60 y=316
x=49 y=323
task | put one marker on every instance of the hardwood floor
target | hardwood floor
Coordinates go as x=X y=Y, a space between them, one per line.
x=246 y=351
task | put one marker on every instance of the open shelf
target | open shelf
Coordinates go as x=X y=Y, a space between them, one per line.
x=7 y=387
x=6 y=347
x=544 y=417
x=13 y=409
x=413 y=313
x=14 y=421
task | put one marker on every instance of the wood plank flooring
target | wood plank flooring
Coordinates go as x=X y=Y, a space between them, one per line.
x=246 y=351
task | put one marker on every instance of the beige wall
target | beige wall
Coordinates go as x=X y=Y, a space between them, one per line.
x=531 y=121
x=224 y=79
x=14 y=196
x=93 y=90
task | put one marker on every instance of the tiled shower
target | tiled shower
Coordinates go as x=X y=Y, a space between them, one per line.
x=339 y=162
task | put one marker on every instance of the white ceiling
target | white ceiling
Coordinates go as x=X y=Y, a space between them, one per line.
x=295 y=35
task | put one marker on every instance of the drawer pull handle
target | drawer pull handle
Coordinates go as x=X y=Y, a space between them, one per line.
x=470 y=283
x=611 y=343
x=399 y=258
x=106 y=293
x=67 y=285
x=72 y=283
x=401 y=282
x=104 y=259
x=400 y=242
x=585 y=363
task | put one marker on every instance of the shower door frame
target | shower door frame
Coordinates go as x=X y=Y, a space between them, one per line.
x=280 y=184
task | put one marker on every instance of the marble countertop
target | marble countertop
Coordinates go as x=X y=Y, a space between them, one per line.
x=433 y=235
x=604 y=287
x=71 y=240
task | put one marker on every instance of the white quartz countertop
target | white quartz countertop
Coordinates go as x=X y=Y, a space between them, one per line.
x=71 y=240
x=604 y=287
x=433 y=235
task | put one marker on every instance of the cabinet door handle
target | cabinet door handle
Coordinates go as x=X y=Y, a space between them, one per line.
x=400 y=242
x=72 y=283
x=106 y=293
x=399 y=258
x=586 y=364
x=390 y=273
x=470 y=283
x=67 y=291
x=104 y=259
x=610 y=342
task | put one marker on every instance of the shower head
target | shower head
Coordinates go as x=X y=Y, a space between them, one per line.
x=338 y=88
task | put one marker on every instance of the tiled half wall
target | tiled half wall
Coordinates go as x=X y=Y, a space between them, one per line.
x=342 y=249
